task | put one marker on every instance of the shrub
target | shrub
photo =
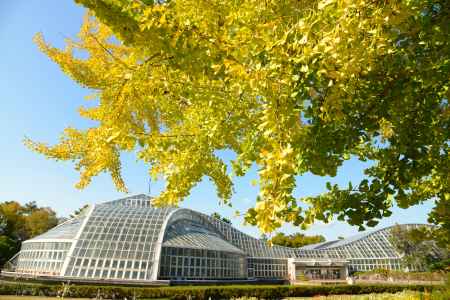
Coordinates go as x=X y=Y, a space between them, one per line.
x=440 y=265
x=203 y=292
x=382 y=274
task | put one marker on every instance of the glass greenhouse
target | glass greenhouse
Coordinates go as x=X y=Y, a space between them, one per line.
x=129 y=241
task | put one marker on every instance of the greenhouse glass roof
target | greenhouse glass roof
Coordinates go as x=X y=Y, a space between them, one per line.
x=66 y=230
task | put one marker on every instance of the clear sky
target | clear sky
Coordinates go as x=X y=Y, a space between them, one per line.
x=38 y=101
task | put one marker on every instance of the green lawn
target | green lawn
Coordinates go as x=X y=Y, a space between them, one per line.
x=406 y=295
x=35 y=298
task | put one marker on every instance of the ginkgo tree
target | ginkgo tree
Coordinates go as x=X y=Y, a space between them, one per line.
x=290 y=86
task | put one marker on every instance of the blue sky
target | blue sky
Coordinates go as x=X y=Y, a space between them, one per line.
x=38 y=101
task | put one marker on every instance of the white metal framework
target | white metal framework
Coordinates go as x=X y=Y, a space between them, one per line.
x=129 y=240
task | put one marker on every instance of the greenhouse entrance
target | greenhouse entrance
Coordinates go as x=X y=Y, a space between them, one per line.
x=317 y=269
x=319 y=273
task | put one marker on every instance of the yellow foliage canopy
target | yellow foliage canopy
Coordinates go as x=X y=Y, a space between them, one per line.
x=293 y=86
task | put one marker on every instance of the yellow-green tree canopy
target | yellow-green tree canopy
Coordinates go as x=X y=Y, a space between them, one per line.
x=291 y=86
x=295 y=240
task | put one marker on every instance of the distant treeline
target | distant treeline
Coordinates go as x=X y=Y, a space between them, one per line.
x=21 y=222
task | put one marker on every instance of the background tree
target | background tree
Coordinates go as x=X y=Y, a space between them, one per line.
x=19 y=223
x=3 y=223
x=14 y=214
x=264 y=238
x=219 y=217
x=419 y=248
x=291 y=86
x=39 y=221
x=296 y=240
x=79 y=211
x=8 y=247
x=30 y=207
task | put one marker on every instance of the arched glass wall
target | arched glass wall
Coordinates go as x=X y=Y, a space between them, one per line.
x=118 y=242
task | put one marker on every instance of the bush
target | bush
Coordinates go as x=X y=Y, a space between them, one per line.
x=203 y=292
x=382 y=274
x=440 y=265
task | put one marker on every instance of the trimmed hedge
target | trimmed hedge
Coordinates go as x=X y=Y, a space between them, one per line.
x=383 y=274
x=203 y=292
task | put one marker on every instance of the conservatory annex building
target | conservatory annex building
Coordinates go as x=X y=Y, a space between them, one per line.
x=129 y=241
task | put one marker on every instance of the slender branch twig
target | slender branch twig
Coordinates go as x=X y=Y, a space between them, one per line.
x=110 y=52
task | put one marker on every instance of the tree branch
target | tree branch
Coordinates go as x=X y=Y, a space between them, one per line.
x=110 y=52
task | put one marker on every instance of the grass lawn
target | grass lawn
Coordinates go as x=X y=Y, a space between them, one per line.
x=35 y=298
x=406 y=295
